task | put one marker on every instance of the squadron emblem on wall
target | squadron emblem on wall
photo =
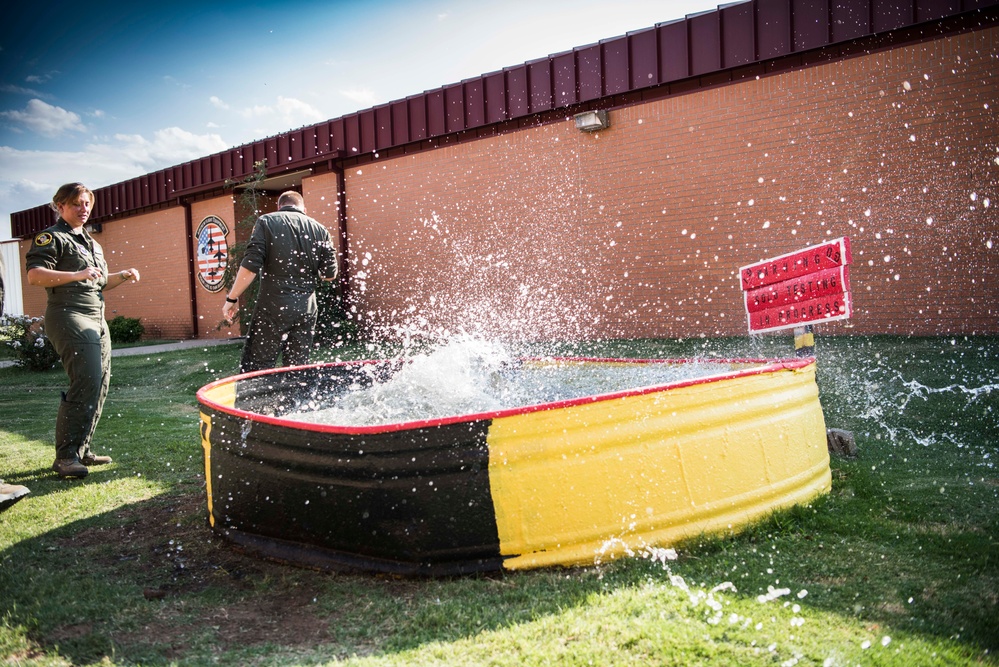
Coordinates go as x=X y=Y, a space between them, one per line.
x=213 y=253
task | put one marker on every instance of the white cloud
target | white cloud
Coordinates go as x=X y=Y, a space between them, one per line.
x=168 y=147
x=30 y=178
x=40 y=78
x=45 y=119
x=363 y=96
x=269 y=119
x=18 y=90
x=296 y=112
x=26 y=190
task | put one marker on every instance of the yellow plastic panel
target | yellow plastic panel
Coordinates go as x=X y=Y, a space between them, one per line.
x=222 y=393
x=575 y=484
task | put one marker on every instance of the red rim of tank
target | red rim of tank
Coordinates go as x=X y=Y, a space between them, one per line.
x=767 y=366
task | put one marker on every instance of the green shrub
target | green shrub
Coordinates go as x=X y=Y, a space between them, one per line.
x=126 y=329
x=26 y=337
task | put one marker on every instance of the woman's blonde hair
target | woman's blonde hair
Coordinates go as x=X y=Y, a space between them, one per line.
x=70 y=193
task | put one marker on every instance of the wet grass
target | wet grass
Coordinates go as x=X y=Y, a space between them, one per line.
x=898 y=565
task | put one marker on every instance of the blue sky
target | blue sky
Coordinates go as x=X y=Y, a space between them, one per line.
x=103 y=92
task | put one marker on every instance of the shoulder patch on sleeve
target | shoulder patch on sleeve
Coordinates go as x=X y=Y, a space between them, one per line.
x=43 y=239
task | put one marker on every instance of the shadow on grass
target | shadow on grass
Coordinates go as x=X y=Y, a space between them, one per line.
x=150 y=583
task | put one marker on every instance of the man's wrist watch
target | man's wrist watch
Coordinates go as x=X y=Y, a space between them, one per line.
x=228 y=300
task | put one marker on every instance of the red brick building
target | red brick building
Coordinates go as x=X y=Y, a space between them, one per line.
x=734 y=135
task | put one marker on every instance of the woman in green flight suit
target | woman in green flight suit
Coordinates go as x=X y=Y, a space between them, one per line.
x=70 y=265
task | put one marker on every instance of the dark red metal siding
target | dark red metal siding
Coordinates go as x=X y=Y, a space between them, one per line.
x=383 y=127
x=204 y=173
x=215 y=172
x=228 y=166
x=518 y=97
x=435 y=113
x=367 y=126
x=496 y=109
x=811 y=24
x=850 y=19
x=270 y=155
x=352 y=134
x=564 y=74
x=454 y=109
x=282 y=150
x=323 y=145
x=674 y=54
x=703 y=44
x=242 y=162
x=417 y=107
x=400 y=123
x=892 y=14
x=125 y=195
x=310 y=145
x=540 y=81
x=644 y=58
x=617 y=73
x=475 y=103
x=306 y=143
x=261 y=151
x=773 y=28
x=738 y=35
x=931 y=10
x=102 y=200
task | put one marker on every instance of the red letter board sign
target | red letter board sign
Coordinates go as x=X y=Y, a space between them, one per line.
x=799 y=288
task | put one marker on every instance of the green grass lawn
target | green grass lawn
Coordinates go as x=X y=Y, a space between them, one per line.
x=898 y=565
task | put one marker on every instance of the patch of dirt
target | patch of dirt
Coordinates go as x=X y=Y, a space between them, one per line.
x=287 y=619
x=167 y=547
x=74 y=631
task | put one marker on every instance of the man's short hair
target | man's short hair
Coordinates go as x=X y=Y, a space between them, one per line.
x=291 y=198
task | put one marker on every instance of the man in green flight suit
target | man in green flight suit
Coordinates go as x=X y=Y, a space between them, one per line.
x=292 y=253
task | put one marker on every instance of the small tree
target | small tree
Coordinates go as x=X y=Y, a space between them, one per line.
x=249 y=206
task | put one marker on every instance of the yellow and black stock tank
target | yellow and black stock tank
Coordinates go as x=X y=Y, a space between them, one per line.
x=566 y=482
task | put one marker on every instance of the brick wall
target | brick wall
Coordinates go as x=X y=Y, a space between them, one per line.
x=155 y=244
x=322 y=200
x=639 y=230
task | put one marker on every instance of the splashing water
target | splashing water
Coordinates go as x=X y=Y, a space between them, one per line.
x=472 y=376
x=885 y=398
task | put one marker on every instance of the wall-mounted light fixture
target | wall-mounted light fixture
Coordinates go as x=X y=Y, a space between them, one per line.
x=93 y=227
x=591 y=121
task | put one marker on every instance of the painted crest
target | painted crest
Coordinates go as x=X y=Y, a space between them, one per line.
x=213 y=253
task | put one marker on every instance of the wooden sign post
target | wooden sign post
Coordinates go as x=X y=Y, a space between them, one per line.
x=798 y=289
